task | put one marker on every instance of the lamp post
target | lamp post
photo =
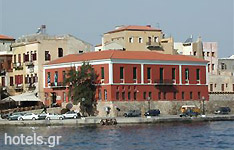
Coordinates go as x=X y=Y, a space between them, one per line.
x=203 y=105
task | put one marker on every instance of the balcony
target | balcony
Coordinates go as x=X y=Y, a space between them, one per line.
x=18 y=87
x=3 y=72
x=30 y=86
x=29 y=63
x=17 y=66
x=153 y=45
x=165 y=82
x=57 y=85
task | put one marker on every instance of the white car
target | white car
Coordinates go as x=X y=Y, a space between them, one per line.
x=52 y=116
x=71 y=114
x=28 y=116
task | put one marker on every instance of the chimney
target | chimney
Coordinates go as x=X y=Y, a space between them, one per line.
x=43 y=29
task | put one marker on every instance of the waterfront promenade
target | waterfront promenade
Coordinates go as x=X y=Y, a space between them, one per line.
x=120 y=120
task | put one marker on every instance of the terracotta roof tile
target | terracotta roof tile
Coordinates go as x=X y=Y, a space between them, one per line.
x=127 y=55
x=136 y=28
x=4 y=37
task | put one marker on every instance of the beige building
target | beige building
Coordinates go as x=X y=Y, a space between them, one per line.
x=31 y=52
x=136 y=38
x=189 y=47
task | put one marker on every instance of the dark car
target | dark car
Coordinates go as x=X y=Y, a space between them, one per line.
x=5 y=116
x=153 y=112
x=132 y=113
x=15 y=116
x=223 y=110
x=42 y=116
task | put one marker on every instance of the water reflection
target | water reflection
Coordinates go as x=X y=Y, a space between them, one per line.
x=196 y=136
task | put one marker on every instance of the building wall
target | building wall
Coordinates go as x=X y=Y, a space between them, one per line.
x=122 y=38
x=210 y=53
x=166 y=90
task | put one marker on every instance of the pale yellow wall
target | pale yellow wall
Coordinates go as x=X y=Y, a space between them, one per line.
x=122 y=38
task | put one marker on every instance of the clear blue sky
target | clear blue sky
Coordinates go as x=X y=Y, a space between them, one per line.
x=89 y=19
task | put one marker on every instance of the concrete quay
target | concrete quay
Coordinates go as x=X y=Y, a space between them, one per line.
x=120 y=120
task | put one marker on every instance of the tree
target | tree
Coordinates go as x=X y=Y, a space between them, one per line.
x=82 y=87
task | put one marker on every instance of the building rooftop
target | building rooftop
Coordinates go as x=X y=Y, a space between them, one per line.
x=126 y=55
x=134 y=28
x=5 y=37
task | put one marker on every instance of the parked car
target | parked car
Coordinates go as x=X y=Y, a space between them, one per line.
x=223 y=110
x=132 y=113
x=71 y=114
x=15 y=116
x=189 y=110
x=42 y=116
x=53 y=116
x=28 y=116
x=153 y=112
x=6 y=116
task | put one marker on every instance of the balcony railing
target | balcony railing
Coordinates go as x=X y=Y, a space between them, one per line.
x=30 y=86
x=3 y=72
x=165 y=82
x=57 y=85
x=18 y=87
x=17 y=66
x=29 y=63
x=152 y=44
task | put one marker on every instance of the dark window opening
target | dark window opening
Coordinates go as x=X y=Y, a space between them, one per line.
x=60 y=52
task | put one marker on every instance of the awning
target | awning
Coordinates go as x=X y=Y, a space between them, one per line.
x=25 y=97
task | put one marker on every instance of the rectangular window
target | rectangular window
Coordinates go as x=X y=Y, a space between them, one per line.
x=123 y=95
x=211 y=87
x=164 y=95
x=134 y=73
x=48 y=77
x=222 y=87
x=64 y=75
x=212 y=66
x=105 y=95
x=121 y=72
x=174 y=95
x=140 y=40
x=182 y=95
x=161 y=75
x=100 y=94
x=213 y=54
x=191 y=95
x=64 y=97
x=14 y=58
x=186 y=74
x=199 y=95
x=117 y=95
x=102 y=73
x=129 y=95
x=11 y=81
x=156 y=39
x=173 y=73
x=148 y=73
x=135 y=95
x=150 y=95
x=19 y=58
x=159 y=95
x=34 y=56
x=144 y=95
x=47 y=56
x=131 y=40
x=60 y=52
x=198 y=74
x=56 y=78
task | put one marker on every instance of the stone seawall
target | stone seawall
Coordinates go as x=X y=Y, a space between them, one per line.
x=165 y=107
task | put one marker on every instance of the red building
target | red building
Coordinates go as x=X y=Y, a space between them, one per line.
x=132 y=76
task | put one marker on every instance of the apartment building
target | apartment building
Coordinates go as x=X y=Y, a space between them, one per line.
x=132 y=38
x=5 y=58
x=30 y=52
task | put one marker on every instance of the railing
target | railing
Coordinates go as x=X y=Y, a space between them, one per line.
x=3 y=72
x=165 y=82
x=30 y=86
x=17 y=66
x=18 y=86
x=29 y=63
x=57 y=85
x=152 y=44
